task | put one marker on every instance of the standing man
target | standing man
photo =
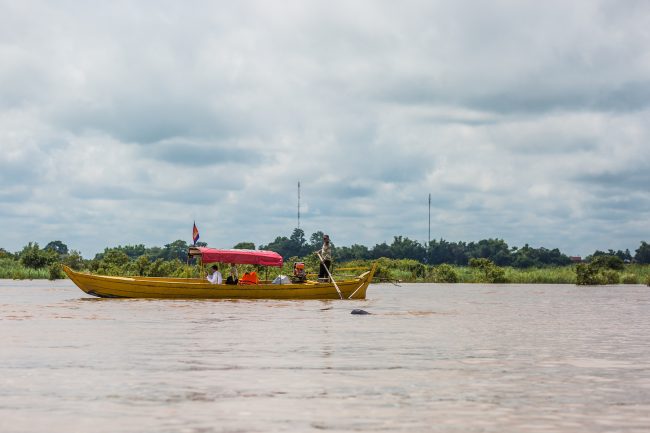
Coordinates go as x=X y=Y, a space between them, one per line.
x=326 y=255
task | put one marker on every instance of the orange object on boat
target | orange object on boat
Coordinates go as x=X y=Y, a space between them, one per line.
x=249 y=278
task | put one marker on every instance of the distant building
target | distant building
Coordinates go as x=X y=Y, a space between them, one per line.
x=575 y=259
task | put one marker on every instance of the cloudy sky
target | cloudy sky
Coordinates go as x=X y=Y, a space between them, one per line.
x=122 y=122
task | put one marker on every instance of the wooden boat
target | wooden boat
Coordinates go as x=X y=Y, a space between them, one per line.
x=197 y=288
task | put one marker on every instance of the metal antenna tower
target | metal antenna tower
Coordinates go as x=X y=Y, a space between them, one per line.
x=429 y=219
x=298 y=204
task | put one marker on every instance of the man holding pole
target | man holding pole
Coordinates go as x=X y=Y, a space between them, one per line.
x=326 y=259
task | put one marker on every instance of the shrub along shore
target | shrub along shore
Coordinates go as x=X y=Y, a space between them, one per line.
x=172 y=261
x=388 y=270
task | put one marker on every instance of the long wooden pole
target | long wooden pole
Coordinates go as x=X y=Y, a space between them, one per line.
x=328 y=273
x=353 y=293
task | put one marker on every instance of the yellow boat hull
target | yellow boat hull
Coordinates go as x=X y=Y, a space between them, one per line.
x=187 y=288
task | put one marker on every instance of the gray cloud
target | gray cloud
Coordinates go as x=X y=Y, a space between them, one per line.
x=186 y=152
x=622 y=182
x=122 y=124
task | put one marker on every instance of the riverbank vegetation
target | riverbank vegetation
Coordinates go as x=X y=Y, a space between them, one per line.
x=486 y=261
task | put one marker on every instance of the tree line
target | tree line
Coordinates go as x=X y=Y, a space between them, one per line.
x=441 y=251
x=435 y=252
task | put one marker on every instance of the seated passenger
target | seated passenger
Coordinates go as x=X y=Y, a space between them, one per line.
x=215 y=278
x=299 y=274
x=234 y=275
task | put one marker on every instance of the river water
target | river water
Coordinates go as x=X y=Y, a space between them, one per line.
x=430 y=358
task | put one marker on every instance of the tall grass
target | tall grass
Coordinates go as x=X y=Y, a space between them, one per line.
x=12 y=269
x=387 y=270
x=641 y=271
x=551 y=275
x=407 y=271
x=547 y=275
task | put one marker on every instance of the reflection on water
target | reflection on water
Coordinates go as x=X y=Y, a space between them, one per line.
x=447 y=358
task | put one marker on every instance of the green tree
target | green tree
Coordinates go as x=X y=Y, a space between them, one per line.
x=245 y=246
x=381 y=250
x=607 y=262
x=444 y=273
x=587 y=275
x=142 y=265
x=134 y=251
x=280 y=245
x=73 y=260
x=490 y=272
x=33 y=257
x=115 y=257
x=296 y=245
x=354 y=252
x=58 y=247
x=55 y=272
x=113 y=261
x=625 y=256
x=405 y=248
x=316 y=240
x=526 y=257
x=602 y=269
x=155 y=252
x=298 y=237
x=643 y=253
x=162 y=268
x=443 y=251
x=175 y=250
x=359 y=252
x=494 y=249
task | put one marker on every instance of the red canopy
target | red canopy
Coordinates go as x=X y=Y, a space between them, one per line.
x=241 y=257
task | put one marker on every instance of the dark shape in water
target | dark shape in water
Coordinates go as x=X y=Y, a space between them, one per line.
x=359 y=312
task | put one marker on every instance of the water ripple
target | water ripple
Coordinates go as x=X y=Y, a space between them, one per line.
x=435 y=358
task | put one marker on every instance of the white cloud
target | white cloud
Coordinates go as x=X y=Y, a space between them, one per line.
x=123 y=122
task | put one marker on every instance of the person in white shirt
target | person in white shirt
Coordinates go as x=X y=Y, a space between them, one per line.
x=215 y=278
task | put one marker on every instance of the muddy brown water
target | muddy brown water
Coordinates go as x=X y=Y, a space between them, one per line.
x=429 y=358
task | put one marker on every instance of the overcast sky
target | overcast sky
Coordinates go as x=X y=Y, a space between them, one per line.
x=122 y=122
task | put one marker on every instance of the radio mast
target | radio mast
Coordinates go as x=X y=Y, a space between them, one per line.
x=429 y=220
x=298 y=204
